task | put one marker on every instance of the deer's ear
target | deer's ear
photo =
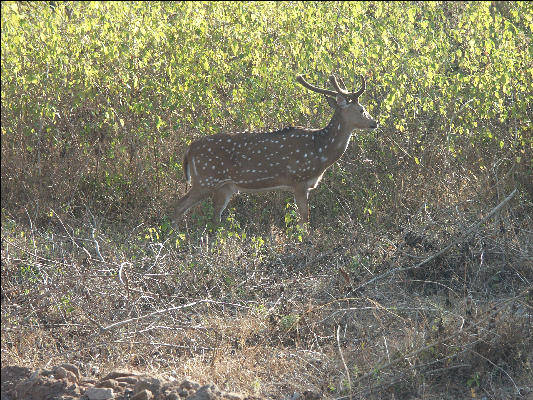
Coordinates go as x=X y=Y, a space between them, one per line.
x=331 y=101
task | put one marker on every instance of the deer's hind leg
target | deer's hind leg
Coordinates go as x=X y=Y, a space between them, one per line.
x=193 y=197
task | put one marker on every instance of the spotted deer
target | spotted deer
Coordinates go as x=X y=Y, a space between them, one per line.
x=293 y=158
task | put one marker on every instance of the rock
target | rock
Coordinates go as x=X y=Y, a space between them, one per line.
x=118 y=374
x=149 y=383
x=95 y=393
x=64 y=382
x=206 y=392
x=62 y=373
x=232 y=396
x=170 y=391
x=11 y=376
x=189 y=385
x=36 y=374
x=127 y=379
x=307 y=395
x=143 y=395
x=108 y=383
x=43 y=385
x=72 y=368
x=310 y=395
x=44 y=372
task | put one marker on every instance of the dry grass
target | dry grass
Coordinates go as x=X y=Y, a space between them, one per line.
x=276 y=316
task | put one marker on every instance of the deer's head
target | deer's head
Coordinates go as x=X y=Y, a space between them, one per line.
x=345 y=103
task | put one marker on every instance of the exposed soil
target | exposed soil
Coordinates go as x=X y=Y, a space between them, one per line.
x=65 y=382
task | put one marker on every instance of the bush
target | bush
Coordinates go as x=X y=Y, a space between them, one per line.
x=99 y=100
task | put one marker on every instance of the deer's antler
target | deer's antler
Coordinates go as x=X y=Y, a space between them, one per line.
x=356 y=95
x=313 y=88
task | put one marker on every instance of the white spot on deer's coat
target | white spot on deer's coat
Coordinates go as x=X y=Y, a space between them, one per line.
x=339 y=127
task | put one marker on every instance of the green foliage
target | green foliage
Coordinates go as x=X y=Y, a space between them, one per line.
x=473 y=381
x=232 y=228
x=293 y=229
x=258 y=246
x=66 y=304
x=358 y=263
x=99 y=99
x=29 y=273
x=289 y=322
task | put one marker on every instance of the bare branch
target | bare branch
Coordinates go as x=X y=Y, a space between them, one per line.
x=445 y=249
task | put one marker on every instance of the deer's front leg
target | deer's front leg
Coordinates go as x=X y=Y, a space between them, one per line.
x=301 y=195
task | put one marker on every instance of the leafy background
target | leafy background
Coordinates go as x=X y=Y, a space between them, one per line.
x=101 y=99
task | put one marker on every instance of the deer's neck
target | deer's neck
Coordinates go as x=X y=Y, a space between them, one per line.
x=334 y=139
